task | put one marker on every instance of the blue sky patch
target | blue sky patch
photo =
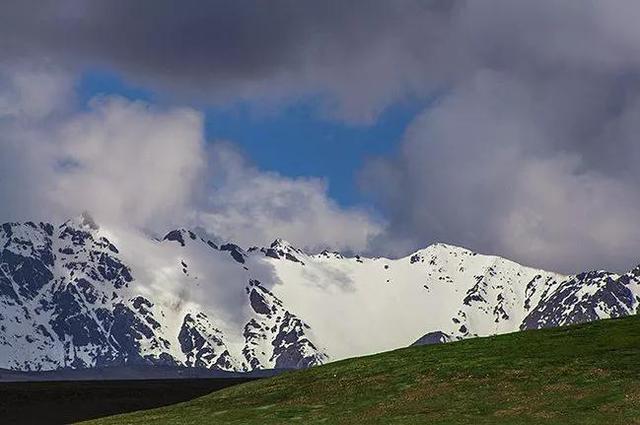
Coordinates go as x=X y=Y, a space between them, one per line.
x=297 y=140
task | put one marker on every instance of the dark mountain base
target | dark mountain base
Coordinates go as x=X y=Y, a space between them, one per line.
x=72 y=401
x=130 y=372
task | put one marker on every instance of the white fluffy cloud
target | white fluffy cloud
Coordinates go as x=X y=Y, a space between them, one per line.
x=127 y=161
x=121 y=160
x=252 y=207
x=131 y=163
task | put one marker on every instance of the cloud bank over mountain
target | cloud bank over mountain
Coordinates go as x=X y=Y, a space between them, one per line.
x=130 y=163
x=530 y=150
x=479 y=169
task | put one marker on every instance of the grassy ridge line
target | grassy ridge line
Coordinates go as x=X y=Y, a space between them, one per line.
x=586 y=374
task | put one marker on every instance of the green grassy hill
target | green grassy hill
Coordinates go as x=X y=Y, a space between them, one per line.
x=588 y=374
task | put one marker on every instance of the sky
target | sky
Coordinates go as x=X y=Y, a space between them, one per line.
x=372 y=127
x=332 y=150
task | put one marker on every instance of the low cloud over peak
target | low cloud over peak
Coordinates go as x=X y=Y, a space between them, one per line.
x=128 y=162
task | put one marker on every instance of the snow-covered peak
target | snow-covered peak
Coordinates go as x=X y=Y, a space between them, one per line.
x=281 y=249
x=330 y=255
x=83 y=221
x=279 y=243
x=79 y=295
x=283 y=245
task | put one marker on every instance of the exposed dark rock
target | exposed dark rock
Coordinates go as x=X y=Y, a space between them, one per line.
x=200 y=345
x=293 y=258
x=258 y=302
x=29 y=274
x=292 y=349
x=72 y=322
x=564 y=307
x=235 y=251
x=174 y=235
x=270 y=252
x=435 y=337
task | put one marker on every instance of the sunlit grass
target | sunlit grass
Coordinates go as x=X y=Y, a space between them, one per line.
x=587 y=374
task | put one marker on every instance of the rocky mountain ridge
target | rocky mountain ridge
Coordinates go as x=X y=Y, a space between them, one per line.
x=78 y=296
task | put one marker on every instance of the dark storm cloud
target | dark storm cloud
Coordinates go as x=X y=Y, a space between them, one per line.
x=216 y=48
x=209 y=39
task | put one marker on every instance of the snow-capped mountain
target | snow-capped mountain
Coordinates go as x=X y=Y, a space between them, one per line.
x=78 y=295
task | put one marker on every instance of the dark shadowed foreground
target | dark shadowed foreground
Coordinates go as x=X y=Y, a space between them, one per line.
x=585 y=374
x=72 y=401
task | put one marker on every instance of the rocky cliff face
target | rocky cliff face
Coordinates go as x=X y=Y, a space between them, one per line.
x=67 y=299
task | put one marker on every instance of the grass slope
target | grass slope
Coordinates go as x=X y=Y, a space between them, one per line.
x=587 y=374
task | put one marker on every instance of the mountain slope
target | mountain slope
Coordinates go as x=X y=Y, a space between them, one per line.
x=80 y=295
x=69 y=298
x=586 y=374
